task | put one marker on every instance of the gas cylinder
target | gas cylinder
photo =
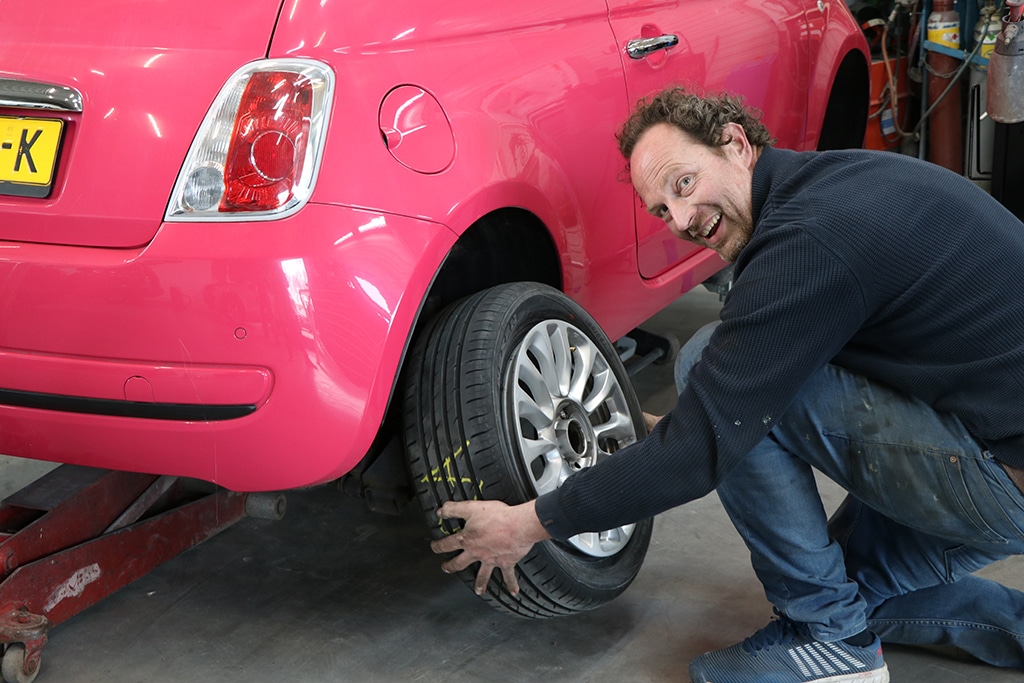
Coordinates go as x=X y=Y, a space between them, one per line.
x=987 y=29
x=1006 y=68
x=945 y=146
x=980 y=131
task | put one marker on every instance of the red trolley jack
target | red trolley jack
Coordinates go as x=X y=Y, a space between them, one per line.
x=77 y=534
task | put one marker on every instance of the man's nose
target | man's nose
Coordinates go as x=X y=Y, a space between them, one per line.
x=682 y=214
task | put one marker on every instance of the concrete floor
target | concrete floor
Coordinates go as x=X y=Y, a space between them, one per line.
x=334 y=593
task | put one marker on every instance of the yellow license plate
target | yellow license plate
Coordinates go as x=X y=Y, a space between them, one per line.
x=28 y=155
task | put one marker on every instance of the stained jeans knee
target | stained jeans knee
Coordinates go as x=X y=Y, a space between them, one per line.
x=918 y=467
x=690 y=352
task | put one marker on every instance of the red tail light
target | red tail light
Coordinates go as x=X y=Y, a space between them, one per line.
x=258 y=150
x=268 y=144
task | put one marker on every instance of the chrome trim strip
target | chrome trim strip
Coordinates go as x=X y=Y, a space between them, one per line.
x=31 y=95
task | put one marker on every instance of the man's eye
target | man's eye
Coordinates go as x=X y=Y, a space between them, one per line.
x=685 y=182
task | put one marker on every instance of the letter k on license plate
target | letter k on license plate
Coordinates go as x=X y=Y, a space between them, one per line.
x=28 y=155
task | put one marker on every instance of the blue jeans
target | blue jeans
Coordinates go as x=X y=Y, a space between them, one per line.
x=927 y=506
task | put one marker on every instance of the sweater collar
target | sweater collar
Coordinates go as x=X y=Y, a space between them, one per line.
x=772 y=169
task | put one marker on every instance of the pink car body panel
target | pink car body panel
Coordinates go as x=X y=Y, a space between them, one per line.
x=297 y=327
x=833 y=34
x=307 y=340
x=147 y=77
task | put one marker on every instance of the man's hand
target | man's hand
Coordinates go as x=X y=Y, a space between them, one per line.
x=494 y=534
x=651 y=420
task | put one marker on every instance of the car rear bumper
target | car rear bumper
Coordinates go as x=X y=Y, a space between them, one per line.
x=260 y=356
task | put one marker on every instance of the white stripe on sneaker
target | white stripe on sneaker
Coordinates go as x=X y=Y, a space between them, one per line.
x=823 y=659
x=840 y=657
x=795 y=655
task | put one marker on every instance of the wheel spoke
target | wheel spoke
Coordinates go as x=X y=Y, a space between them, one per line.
x=603 y=543
x=536 y=406
x=587 y=541
x=547 y=355
x=584 y=356
x=604 y=384
x=539 y=447
x=619 y=427
x=553 y=474
x=562 y=356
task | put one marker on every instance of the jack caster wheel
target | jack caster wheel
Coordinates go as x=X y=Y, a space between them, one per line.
x=265 y=506
x=13 y=665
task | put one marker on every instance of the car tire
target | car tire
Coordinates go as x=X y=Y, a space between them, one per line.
x=507 y=393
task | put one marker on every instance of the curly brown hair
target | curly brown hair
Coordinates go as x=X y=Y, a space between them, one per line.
x=701 y=116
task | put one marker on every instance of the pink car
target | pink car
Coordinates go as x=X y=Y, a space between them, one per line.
x=277 y=243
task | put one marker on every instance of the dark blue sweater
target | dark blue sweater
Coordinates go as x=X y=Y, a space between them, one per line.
x=888 y=266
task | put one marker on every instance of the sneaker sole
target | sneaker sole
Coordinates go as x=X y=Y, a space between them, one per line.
x=873 y=676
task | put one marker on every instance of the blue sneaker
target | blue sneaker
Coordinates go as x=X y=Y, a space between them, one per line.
x=783 y=652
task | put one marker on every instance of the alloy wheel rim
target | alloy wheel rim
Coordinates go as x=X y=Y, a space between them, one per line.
x=570 y=411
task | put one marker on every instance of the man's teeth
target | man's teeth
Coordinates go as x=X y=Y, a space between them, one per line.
x=710 y=226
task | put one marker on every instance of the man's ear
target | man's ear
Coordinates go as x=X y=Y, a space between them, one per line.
x=738 y=143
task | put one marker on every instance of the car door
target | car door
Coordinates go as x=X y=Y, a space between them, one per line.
x=754 y=48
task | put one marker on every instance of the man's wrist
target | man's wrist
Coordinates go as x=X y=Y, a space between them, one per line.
x=549 y=515
x=531 y=526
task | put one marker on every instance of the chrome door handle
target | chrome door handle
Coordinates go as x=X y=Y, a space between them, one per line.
x=641 y=47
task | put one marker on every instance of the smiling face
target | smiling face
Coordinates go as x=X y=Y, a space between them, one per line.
x=703 y=193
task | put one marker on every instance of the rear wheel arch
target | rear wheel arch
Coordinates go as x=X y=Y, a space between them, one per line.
x=846 y=115
x=503 y=246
